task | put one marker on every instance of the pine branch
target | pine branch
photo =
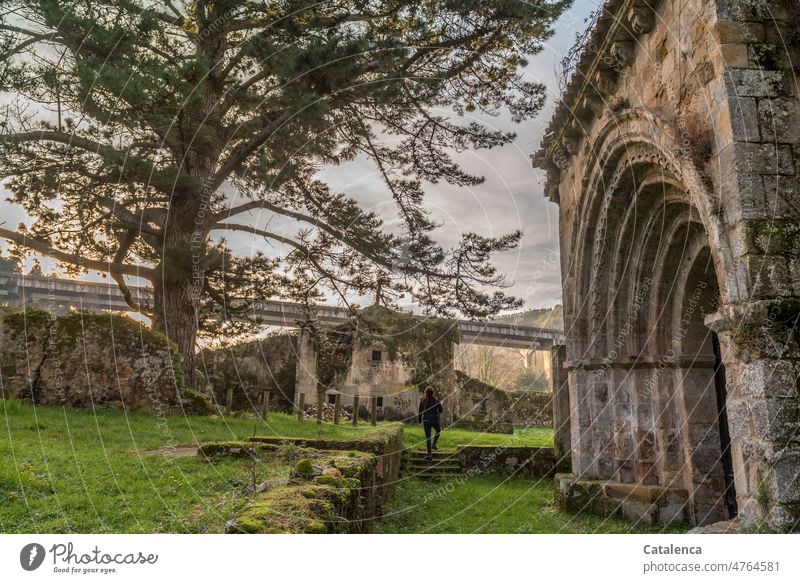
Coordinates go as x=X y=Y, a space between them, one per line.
x=77 y=260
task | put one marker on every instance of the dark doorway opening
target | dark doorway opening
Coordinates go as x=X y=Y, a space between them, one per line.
x=724 y=434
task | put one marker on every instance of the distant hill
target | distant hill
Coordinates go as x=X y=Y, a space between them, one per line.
x=540 y=317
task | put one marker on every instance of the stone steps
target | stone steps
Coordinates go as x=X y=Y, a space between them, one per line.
x=444 y=465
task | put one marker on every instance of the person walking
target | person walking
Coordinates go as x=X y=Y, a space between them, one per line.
x=430 y=408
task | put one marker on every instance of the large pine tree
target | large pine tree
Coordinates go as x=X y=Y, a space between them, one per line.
x=130 y=124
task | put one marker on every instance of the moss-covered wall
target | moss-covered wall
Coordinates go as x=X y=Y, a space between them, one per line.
x=481 y=406
x=386 y=443
x=339 y=485
x=267 y=364
x=486 y=408
x=328 y=492
x=88 y=360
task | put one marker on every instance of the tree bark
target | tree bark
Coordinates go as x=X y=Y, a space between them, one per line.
x=175 y=316
x=178 y=290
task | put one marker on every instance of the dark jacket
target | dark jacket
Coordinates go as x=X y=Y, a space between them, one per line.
x=430 y=411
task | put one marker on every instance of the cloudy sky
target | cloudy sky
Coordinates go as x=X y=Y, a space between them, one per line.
x=510 y=198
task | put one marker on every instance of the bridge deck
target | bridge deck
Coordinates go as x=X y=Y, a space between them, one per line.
x=54 y=294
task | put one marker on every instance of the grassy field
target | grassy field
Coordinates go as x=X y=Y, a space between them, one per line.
x=414 y=438
x=78 y=470
x=492 y=504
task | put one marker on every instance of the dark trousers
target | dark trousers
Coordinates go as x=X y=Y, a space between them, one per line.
x=427 y=425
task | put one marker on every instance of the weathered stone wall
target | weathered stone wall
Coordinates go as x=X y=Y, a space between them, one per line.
x=637 y=502
x=480 y=407
x=675 y=164
x=530 y=462
x=267 y=364
x=380 y=354
x=387 y=378
x=88 y=360
x=531 y=408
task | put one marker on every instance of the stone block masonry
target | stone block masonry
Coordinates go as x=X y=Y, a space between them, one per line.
x=527 y=462
x=676 y=170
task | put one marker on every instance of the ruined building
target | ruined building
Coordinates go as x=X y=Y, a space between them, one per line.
x=674 y=157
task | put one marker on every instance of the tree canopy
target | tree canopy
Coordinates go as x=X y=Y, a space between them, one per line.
x=136 y=132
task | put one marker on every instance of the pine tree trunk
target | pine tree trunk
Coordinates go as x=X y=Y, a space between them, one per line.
x=175 y=316
x=184 y=256
x=177 y=295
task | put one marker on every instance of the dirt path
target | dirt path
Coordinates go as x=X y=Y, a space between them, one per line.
x=172 y=452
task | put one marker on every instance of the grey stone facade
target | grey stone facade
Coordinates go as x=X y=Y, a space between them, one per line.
x=675 y=159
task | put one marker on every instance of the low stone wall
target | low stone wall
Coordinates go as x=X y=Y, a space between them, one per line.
x=640 y=503
x=385 y=443
x=530 y=462
x=328 y=492
x=88 y=360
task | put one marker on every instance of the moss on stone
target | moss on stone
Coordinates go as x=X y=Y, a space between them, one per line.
x=330 y=481
x=304 y=468
x=769 y=327
x=294 y=509
x=776 y=238
x=197 y=403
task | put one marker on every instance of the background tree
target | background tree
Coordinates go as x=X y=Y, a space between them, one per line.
x=139 y=129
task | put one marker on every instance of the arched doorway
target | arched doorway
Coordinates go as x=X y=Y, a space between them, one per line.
x=648 y=397
x=689 y=292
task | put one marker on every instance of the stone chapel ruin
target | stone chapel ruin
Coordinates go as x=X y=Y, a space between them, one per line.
x=674 y=157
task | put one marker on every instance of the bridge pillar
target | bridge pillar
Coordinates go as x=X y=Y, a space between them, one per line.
x=306 y=371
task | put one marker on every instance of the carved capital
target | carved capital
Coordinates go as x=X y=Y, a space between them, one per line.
x=641 y=19
x=571 y=144
x=605 y=83
x=561 y=157
x=621 y=53
x=594 y=103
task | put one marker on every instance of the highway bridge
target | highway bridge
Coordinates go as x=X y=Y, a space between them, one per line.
x=56 y=294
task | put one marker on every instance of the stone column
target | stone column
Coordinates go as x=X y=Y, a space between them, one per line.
x=561 y=409
x=759 y=342
x=584 y=463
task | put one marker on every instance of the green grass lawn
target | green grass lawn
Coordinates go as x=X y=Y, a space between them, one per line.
x=492 y=504
x=414 y=438
x=76 y=470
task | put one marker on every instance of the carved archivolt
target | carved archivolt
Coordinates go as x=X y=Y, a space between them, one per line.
x=633 y=187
